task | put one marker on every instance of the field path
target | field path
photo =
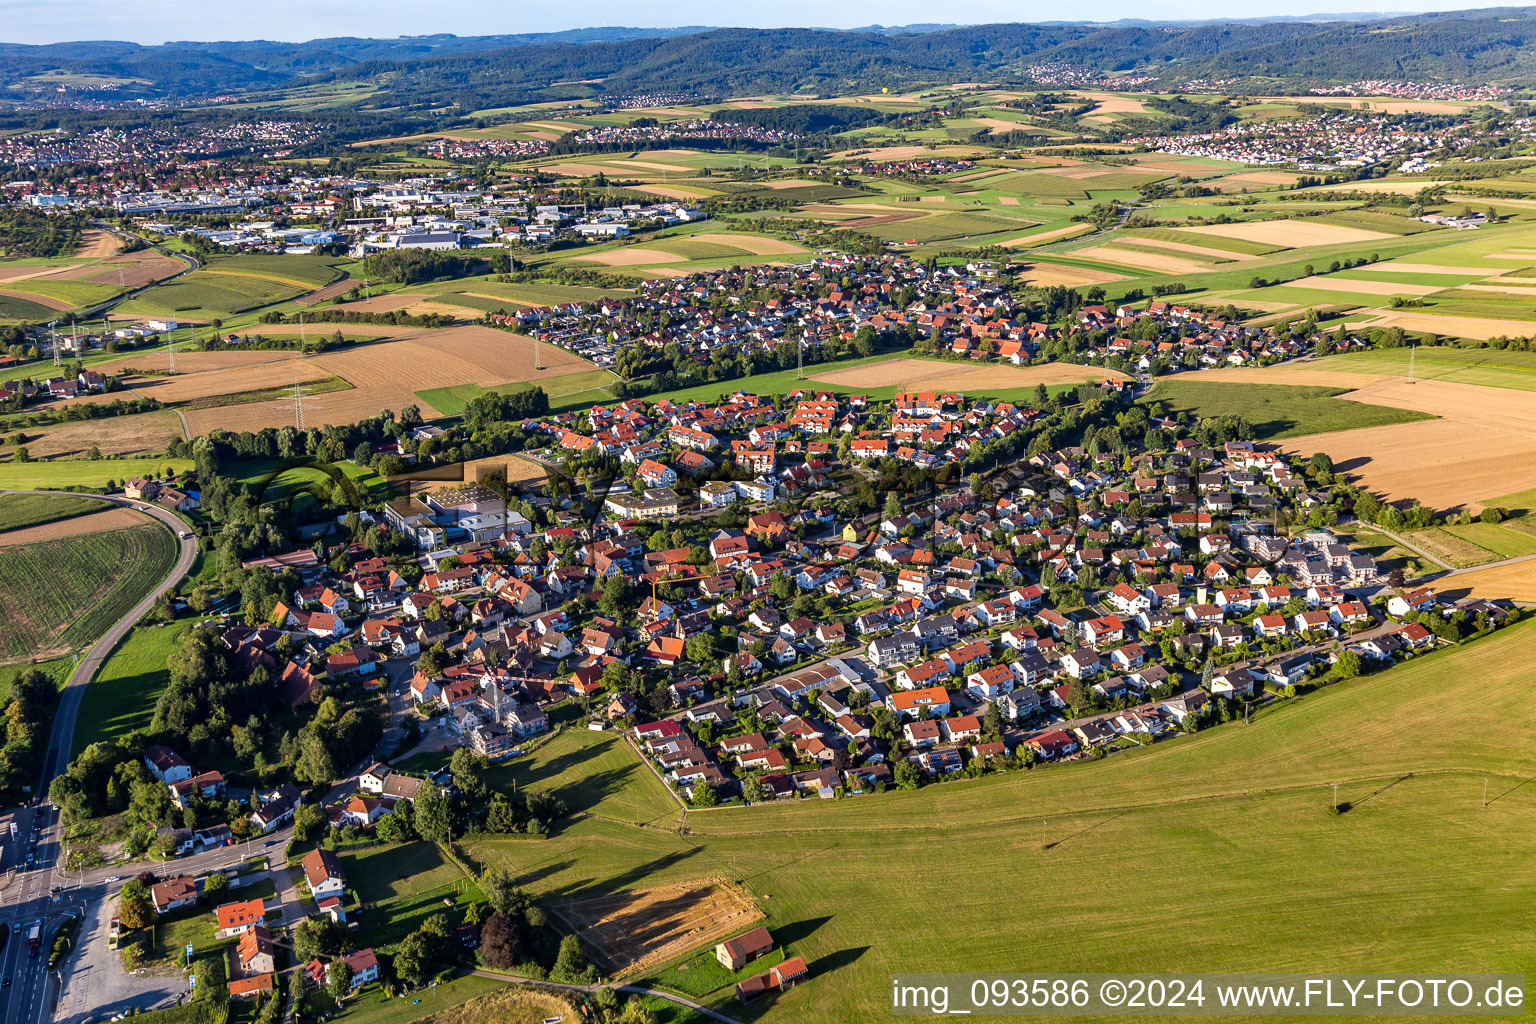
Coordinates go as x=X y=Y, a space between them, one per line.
x=1449 y=570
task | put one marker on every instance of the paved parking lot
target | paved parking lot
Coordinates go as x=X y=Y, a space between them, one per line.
x=95 y=984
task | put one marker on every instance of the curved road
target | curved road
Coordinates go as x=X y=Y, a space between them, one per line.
x=100 y=309
x=28 y=995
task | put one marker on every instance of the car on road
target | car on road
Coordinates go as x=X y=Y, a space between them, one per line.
x=6 y=983
x=185 y=535
x=269 y=842
x=114 y=878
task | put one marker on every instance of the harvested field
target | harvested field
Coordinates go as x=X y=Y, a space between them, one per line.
x=1266 y=177
x=330 y=291
x=670 y=191
x=997 y=124
x=134 y=270
x=1309 y=374
x=387 y=375
x=114 y=435
x=631 y=257
x=1193 y=250
x=577 y=170
x=433 y=307
x=933 y=375
x=514 y=468
x=1483 y=445
x=1401 y=188
x=1515 y=582
x=757 y=245
x=1008 y=200
x=41 y=300
x=1148 y=261
x=518 y=1004
x=1293 y=234
x=96 y=244
x=908 y=152
x=383 y=303
x=1108 y=103
x=95 y=522
x=630 y=932
x=1344 y=284
x=1478 y=327
x=196 y=362
x=185 y=387
x=1042 y=237
x=1058 y=273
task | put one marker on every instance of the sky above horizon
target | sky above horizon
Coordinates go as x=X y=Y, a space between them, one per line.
x=155 y=21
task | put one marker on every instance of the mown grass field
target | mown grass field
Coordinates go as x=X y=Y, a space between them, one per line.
x=1217 y=849
x=1489 y=367
x=577 y=389
x=1499 y=539
x=69 y=474
x=400 y=886
x=21 y=510
x=203 y=292
x=59 y=595
x=121 y=699
x=1275 y=410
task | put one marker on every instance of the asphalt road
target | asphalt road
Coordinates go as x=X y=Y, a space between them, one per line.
x=30 y=990
x=101 y=308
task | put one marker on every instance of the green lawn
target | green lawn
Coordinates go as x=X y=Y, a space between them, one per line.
x=121 y=699
x=60 y=595
x=1505 y=543
x=401 y=886
x=1275 y=410
x=21 y=510
x=91 y=474
x=277 y=483
x=1217 y=849
x=590 y=771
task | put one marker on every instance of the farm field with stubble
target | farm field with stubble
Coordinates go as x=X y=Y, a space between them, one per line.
x=1416 y=847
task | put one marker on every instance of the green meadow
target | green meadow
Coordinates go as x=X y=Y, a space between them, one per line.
x=1217 y=849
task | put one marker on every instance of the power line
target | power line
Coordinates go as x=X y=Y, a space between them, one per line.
x=297 y=401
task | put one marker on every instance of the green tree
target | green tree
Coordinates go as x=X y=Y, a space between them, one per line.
x=215 y=886
x=571 y=963
x=468 y=770
x=134 y=908
x=1347 y=665
x=502 y=893
x=434 y=816
x=338 y=979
